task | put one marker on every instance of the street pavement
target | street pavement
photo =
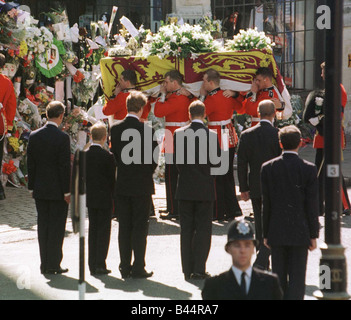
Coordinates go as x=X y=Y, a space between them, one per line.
x=20 y=277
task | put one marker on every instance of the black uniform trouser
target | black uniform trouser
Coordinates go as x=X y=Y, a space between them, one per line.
x=52 y=216
x=133 y=217
x=263 y=253
x=171 y=180
x=321 y=169
x=99 y=237
x=195 y=234
x=226 y=203
x=289 y=263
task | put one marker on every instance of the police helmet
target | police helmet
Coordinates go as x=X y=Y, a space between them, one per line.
x=241 y=229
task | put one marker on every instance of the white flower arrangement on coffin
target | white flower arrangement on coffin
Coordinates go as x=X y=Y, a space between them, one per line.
x=118 y=50
x=249 y=39
x=182 y=41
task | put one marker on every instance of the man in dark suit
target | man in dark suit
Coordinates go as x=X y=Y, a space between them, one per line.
x=242 y=282
x=100 y=181
x=136 y=155
x=49 y=174
x=290 y=212
x=193 y=145
x=257 y=145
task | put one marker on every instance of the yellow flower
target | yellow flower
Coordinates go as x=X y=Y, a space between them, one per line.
x=23 y=49
x=14 y=143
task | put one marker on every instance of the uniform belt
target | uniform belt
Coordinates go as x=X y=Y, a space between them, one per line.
x=176 y=124
x=219 y=123
x=254 y=119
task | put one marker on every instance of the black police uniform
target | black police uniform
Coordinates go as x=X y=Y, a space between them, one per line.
x=263 y=285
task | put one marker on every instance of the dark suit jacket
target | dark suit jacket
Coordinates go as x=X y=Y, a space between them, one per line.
x=49 y=163
x=290 y=201
x=136 y=158
x=100 y=177
x=257 y=145
x=264 y=286
x=192 y=158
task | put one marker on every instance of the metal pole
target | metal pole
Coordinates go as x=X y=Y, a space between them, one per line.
x=82 y=216
x=333 y=279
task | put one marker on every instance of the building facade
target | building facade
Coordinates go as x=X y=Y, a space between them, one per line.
x=291 y=24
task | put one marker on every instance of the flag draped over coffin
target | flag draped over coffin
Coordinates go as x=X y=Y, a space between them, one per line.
x=237 y=70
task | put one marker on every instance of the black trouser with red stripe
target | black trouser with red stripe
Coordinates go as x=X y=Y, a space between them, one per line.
x=226 y=204
x=171 y=179
x=319 y=162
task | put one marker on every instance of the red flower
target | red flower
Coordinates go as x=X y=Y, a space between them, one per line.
x=9 y=168
x=78 y=77
x=89 y=53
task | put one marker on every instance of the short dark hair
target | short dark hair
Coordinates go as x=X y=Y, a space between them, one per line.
x=265 y=72
x=54 y=109
x=98 y=131
x=130 y=75
x=266 y=108
x=2 y=60
x=213 y=75
x=290 y=137
x=197 y=109
x=136 y=101
x=175 y=75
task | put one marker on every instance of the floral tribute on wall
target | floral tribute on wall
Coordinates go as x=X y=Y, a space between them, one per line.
x=45 y=63
x=62 y=62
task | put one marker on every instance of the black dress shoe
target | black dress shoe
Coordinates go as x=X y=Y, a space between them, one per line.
x=200 y=276
x=187 y=276
x=169 y=217
x=2 y=195
x=125 y=274
x=56 y=271
x=100 y=271
x=142 y=274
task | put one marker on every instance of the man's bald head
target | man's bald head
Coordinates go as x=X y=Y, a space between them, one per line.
x=266 y=109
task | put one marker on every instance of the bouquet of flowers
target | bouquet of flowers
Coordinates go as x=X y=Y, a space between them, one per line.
x=10 y=34
x=119 y=50
x=17 y=141
x=29 y=113
x=213 y=26
x=84 y=90
x=75 y=123
x=249 y=39
x=181 y=41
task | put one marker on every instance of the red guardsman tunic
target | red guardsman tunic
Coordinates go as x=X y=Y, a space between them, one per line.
x=219 y=112
x=250 y=104
x=118 y=106
x=9 y=102
x=175 y=109
x=318 y=142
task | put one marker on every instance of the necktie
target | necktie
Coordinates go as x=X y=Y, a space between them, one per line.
x=243 y=283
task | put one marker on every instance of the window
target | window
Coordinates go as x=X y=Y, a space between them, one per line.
x=289 y=23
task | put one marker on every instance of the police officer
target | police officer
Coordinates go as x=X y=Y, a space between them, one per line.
x=242 y=281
